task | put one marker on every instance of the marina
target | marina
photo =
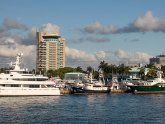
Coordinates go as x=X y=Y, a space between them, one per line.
x=19 y=83
x=82 y=62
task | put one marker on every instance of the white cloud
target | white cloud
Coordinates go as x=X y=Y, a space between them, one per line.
x=32 y=32
x=81 y=58
x=30 y=37
x=97 y=27
x=6 y=41
x=132 y=56
x=91 y=39
x=13 y=42
x=144 y=23
x=148 y=22
x=29 y=53
x=101 y=55
x=13 y=24
x=13 y=50
x=79 y=55
x=50 y=28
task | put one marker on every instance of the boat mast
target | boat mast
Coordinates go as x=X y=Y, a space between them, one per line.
x=159 y=74
x=91 y=77
x=101 y=76
x=18 y=62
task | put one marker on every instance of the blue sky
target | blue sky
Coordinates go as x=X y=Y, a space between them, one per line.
x=117 y=31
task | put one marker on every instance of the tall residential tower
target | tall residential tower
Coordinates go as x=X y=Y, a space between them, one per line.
x=50 y=51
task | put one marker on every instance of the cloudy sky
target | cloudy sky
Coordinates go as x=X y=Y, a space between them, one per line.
x=116 y=31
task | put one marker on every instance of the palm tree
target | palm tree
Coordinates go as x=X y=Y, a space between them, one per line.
x=126 y=70
x=79 y=69
x=120 y=69
x=163 y=69
x=142 y=73
x=102 y=65
x=89 y=69
x=113 y=69
x=123 y=70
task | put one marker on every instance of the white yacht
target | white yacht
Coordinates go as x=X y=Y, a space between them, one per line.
x=18 y=83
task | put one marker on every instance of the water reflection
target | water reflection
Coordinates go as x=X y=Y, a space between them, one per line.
x=20 y=109
x=92 y=98
x=20 y=102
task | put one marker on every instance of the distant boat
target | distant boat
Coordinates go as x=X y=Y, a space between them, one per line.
x=93 y=86
x=18 y=83
x=96 y=88
x=155 y=86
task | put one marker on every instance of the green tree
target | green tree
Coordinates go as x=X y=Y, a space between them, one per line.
x=123 y=70
x=89 y=69
x=102 y=65
x=113 y=69
x=163 y=69
x=152 y=70
x=79 y=69
x=142 y=73
x=50 y=73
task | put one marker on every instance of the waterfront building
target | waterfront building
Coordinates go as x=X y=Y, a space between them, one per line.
x=134 y=72
x=158 y=60
x=134 y=65
x=50 y=51
x=71 y=77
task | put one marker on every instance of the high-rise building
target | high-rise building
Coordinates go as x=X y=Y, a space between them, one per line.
x=50 y=51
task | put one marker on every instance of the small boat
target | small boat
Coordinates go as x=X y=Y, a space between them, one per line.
x=155 y=86
x=92 y=86
x=95 y=88
x=77 y=88
x=18 y=83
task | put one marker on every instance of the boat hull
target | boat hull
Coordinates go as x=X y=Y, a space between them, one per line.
x=97 y=91
x=81 y=90
x=77 y=90
x=155 y=89
x=90 y=89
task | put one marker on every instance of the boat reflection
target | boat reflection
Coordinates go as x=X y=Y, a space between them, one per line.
x=22 y=102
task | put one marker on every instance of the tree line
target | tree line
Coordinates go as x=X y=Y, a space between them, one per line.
x=108 y=69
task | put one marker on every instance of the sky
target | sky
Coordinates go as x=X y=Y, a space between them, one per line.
x=116 y=31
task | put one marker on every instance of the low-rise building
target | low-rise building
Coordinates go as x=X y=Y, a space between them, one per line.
x=160 y=60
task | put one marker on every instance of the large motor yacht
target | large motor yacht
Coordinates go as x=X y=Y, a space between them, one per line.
x=18 y=83
x=154 y=86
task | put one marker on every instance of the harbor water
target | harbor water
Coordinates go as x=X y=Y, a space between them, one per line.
x=83 y=109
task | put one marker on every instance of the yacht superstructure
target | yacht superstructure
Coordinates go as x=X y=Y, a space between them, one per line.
x=18 y=83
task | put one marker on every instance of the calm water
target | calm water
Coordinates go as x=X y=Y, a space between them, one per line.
x=82 y=109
